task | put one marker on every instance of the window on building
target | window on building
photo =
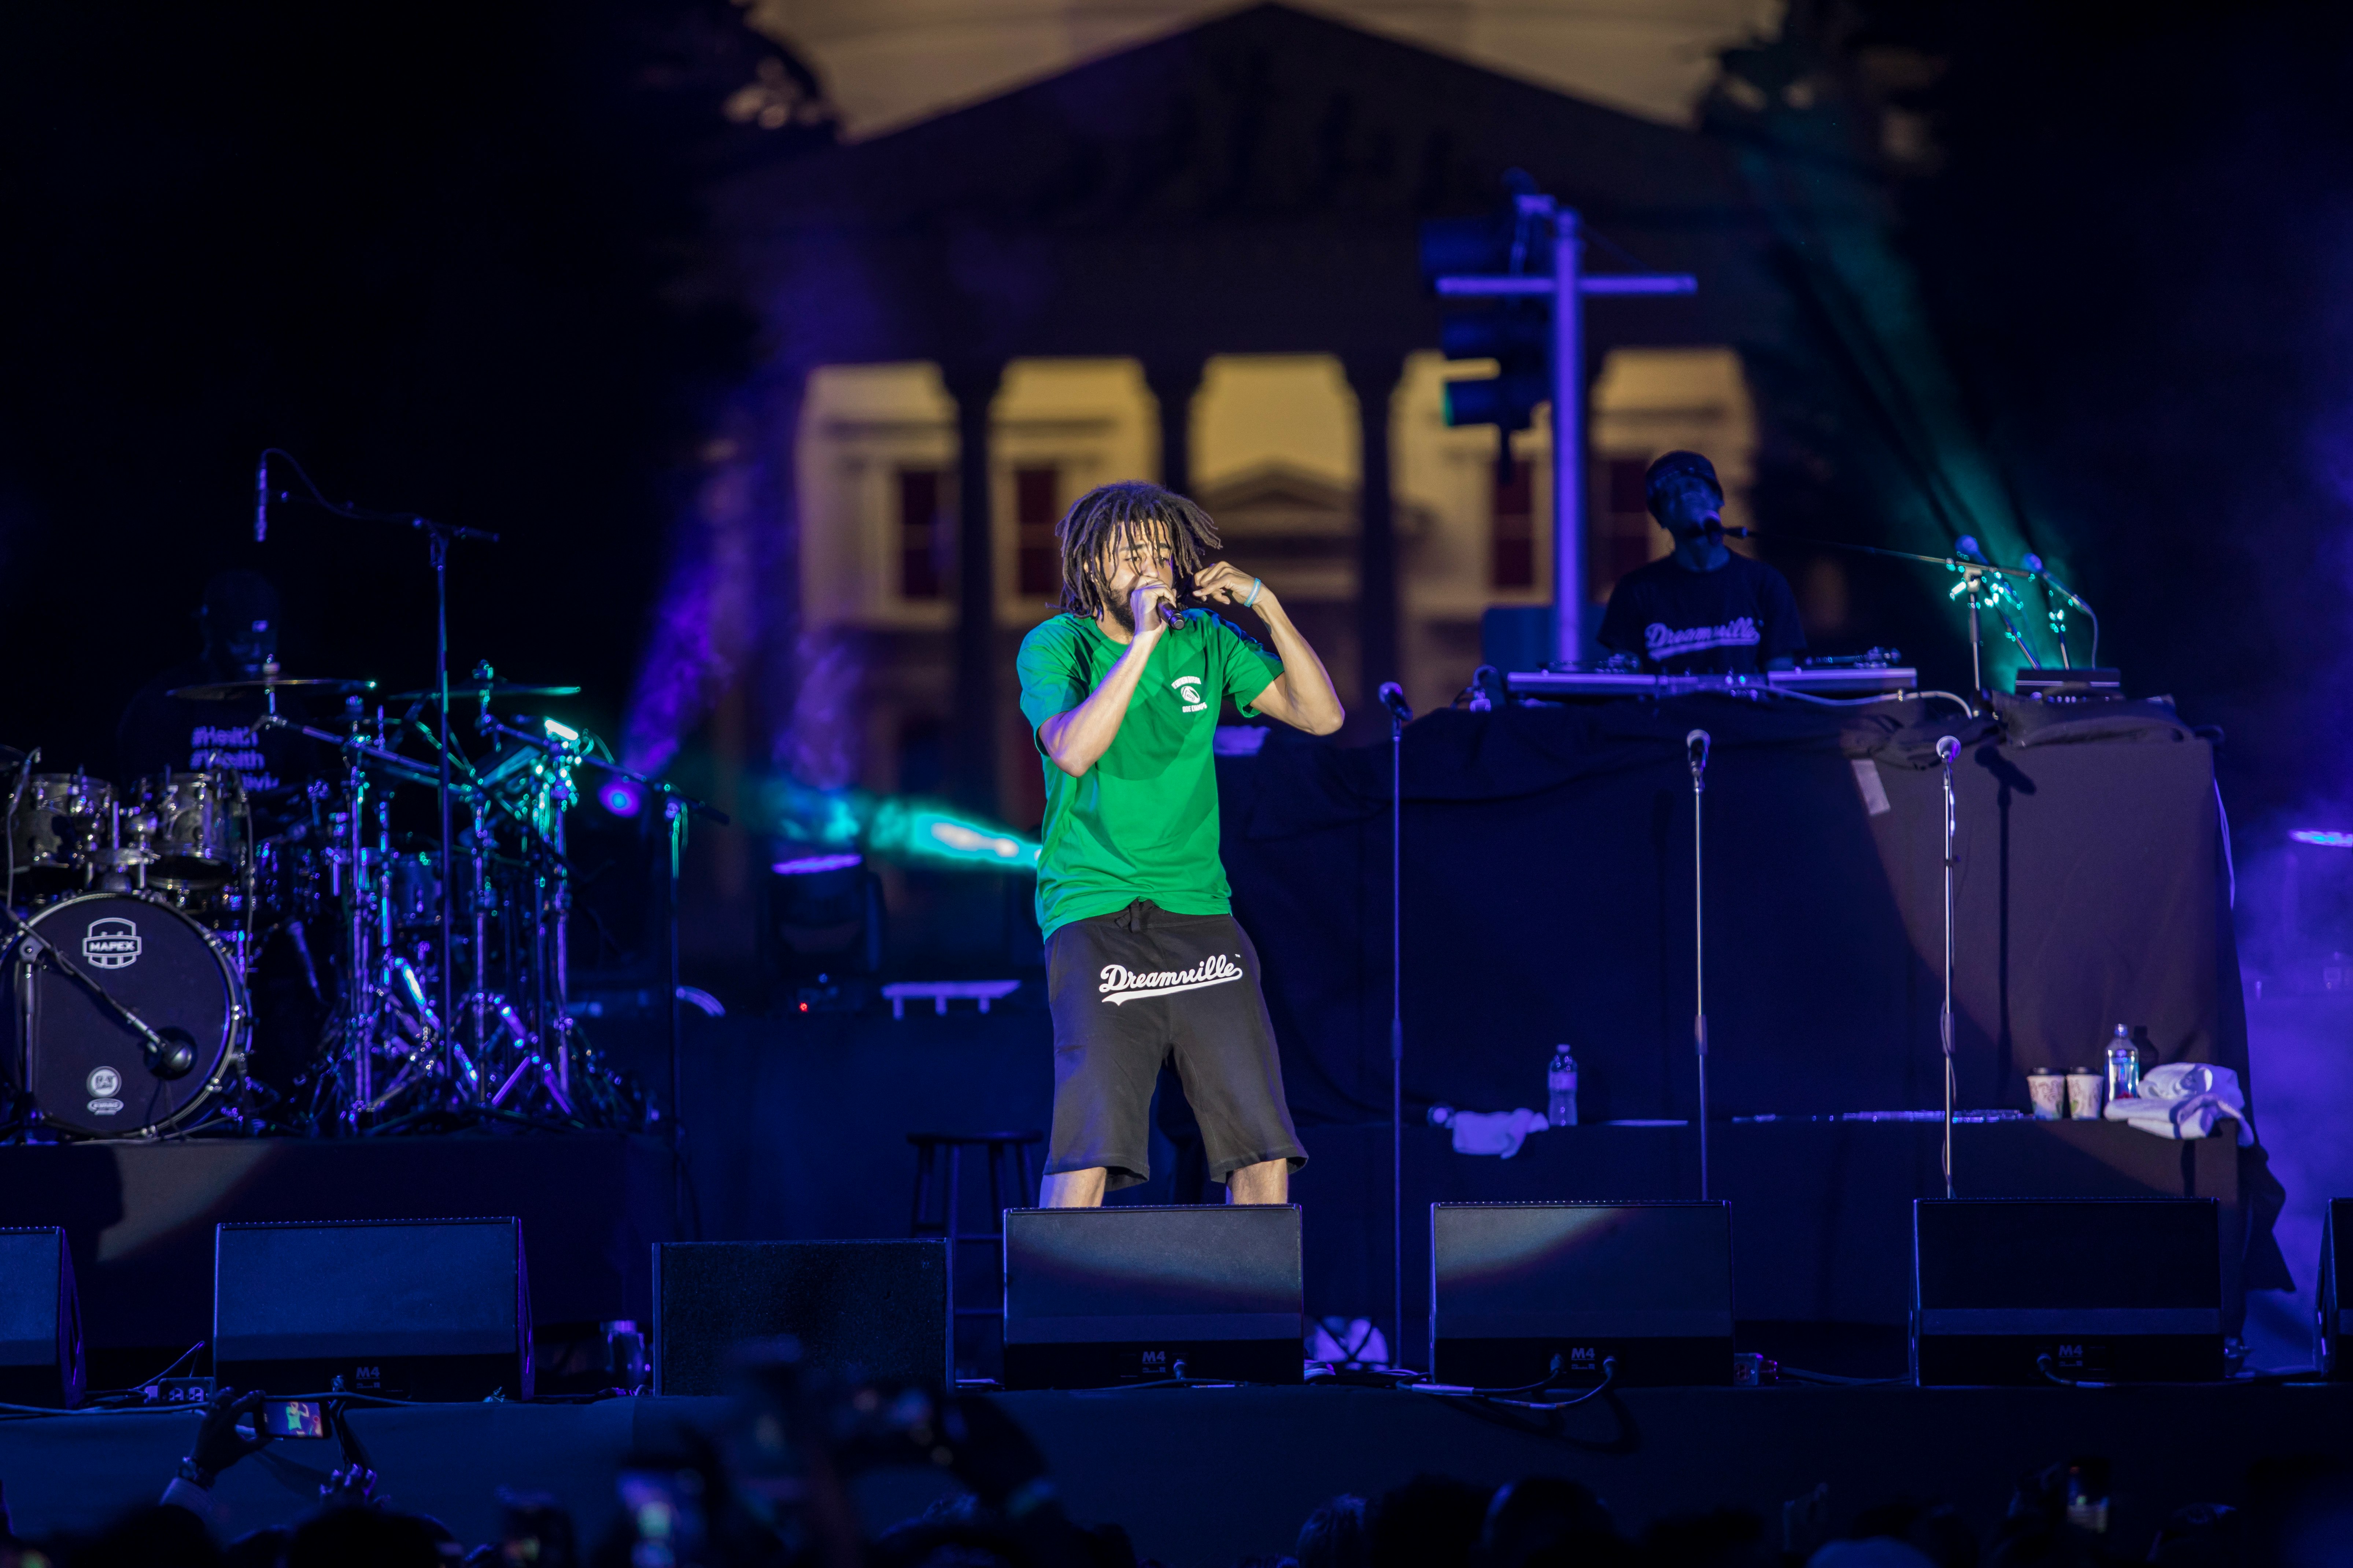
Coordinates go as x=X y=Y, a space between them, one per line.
x=924 y=543
x=1513 y=561
x=1618 y=539
x=1036 y=506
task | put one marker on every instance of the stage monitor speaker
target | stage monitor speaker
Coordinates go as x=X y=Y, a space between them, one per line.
x=2031 y=1290
x=2333 y=1311
x=1096 y=1297
x=428 y=1308
x=40 y=1321
x=1513 y=1286
x=877 y=1309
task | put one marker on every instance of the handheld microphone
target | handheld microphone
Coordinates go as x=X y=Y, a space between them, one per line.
x=1696 y=745
x=1947 y=748
x=1393 y=699
x=1170 y=615
x=261 y=499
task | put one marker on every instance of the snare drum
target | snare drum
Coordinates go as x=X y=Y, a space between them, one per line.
x=195 y=829
x=58 y=823
x=86 y=1070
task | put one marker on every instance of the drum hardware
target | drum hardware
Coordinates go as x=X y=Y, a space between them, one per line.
x=220 y=871
x=23 y=762
x=438 y=537
x=537 y=793
x=678 y=809
x=119 y=868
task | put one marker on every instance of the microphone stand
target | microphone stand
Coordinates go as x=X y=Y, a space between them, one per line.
x=437 y=537
x=1393 y=697
x=1946 y=749
x=1977 y=577
x=678 y=808
x=1696 y=744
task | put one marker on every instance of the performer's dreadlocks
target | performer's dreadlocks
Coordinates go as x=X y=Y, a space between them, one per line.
x=1104 y=519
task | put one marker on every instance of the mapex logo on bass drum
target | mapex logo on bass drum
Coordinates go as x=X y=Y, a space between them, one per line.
x=111 y=942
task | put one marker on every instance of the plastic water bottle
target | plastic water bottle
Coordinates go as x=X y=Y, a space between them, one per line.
x=1560 y=1088
x=2123 y=1065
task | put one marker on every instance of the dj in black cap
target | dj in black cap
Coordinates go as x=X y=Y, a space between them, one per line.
x=1702 y=610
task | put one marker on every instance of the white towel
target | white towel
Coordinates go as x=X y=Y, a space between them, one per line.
x=2184 y=1100
x=1496 y=1132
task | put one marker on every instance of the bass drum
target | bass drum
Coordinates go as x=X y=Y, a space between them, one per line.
x=86 y=1070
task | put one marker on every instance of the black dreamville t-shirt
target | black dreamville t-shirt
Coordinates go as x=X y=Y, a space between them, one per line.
x=1731 y=621
x=163 y=734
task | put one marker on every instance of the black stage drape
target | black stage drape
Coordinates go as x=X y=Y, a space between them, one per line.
x=1549 y=898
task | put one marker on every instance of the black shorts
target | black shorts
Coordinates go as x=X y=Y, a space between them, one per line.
x=1128 y=991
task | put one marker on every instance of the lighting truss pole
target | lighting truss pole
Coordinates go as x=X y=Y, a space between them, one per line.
x=1568 y=285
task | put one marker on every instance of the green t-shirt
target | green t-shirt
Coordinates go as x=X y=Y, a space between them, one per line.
x=1142 y=822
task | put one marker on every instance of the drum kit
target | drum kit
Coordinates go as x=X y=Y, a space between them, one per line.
x=148 y=912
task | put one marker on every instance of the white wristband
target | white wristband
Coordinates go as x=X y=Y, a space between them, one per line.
x=1251 y=598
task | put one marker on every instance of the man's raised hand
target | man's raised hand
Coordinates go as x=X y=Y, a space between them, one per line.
x=1222 y=581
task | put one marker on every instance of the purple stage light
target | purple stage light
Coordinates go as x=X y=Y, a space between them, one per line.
x=2321 y=836
x=810 y=865
x=622 y=797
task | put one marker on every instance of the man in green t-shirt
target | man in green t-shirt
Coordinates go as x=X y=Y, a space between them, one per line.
x=1144 y=959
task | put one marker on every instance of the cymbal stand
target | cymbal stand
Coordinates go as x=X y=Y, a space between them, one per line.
x=437 y=538
x=386 y=1013
x=25 y=766
x=677 y=808
x=552 y=794
x=1972 y=587
x=1949 y=748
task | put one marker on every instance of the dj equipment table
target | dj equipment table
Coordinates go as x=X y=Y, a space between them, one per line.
x=1548 y=898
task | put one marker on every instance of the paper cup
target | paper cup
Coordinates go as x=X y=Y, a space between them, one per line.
x=2048 y=1093
x=2085 y=1091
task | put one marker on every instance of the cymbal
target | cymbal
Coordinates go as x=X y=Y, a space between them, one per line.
x=474 y=690
x=312 y=685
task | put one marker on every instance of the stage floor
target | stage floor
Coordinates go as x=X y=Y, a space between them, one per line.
x=1202 y=1477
